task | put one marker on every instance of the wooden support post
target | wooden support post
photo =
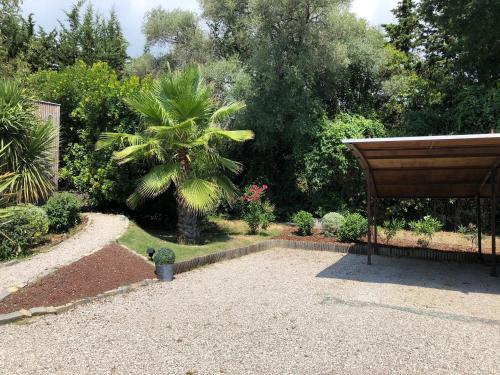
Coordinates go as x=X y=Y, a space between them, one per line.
x=375 y=229
x=369 y=214
x=479 y=229
x=494 y=221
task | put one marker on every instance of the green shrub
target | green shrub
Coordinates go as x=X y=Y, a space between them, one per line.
x=24 y=227
x=391 y=228
x=257 y=212
x=63 y=210
x=470 y=232
x=164 y=256
x=331 y=223
x=305 y=221
x=253 y=216
x=354 y=227
x=425 y=228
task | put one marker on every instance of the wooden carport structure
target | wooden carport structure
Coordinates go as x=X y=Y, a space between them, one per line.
x=456 y=166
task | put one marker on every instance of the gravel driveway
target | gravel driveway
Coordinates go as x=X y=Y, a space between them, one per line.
x=277 y=312
x=101 y=230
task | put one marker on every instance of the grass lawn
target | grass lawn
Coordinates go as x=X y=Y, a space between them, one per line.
x=221 y=235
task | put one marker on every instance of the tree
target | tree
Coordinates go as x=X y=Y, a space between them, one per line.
x=92 y=101
x=330 y=176
x=310 y=59
x=180 y=145
x=91 y=38
x=15 y=35
x=404 y=34
x=26 y=145
x=179 y=32
x=452 y=73
x=230 y=27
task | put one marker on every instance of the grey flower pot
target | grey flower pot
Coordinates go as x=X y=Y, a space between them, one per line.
x=165 y=272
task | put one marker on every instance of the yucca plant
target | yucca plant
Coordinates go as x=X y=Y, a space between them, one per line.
x=26 y=145
x=180 y=143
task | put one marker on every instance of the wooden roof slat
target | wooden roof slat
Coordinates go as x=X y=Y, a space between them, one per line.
x=433 y=162
x=434 y=167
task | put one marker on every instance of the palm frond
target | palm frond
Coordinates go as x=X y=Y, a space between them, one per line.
x=198 y=194
x=227 y=188
x=226 y=111
x=150 y=108
x=108 y=139
x=155 y=182
x=173 y=130
x=233 y=135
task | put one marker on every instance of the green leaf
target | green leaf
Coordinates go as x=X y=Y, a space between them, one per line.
x=226 y=111
x=198 y=194
x=158 y=180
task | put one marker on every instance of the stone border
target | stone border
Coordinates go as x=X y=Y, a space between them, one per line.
x=45 y=310
x=188 y=265
x=336 y=247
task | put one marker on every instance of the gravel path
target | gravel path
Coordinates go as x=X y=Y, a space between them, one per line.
x=101 y=230
x=277 y=312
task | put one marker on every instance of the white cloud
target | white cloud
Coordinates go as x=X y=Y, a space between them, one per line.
x=131 y=13
x=376 y=12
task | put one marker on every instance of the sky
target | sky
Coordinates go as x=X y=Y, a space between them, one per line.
x=131 y=13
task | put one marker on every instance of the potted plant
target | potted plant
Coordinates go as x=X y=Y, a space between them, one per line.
x=164 y=261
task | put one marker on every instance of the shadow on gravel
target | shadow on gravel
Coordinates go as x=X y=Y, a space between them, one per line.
x=465 y=278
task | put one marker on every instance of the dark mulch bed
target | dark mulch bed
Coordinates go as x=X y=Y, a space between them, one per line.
x=106 y=269
x=317 y=236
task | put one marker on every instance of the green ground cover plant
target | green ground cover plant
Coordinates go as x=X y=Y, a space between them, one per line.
x=425 y=228
x=331 y=223
x=304 y=221
x=63 y=210
x=354 y=227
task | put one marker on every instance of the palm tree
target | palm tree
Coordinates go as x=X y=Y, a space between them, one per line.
x=26 y=146
x=179 y=143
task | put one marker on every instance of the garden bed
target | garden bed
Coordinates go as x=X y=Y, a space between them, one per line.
x=106 y=269
x=442 y=241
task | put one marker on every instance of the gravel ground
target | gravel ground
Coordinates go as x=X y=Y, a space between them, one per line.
x=101 y=230
x=277 y=312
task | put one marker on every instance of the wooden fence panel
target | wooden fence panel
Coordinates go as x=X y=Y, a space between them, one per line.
x=47 y=111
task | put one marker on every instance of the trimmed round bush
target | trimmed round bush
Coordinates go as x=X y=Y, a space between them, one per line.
x=24 y=227
x=164 y=256
x=331 y=223
x=304 y=221
x=354 y=227
x=63 y=210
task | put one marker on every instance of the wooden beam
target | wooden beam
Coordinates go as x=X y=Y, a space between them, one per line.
x=366 y=167
x=479 y=229
x=437 y=168
x=488 y=175
x=369 y=215
x=434 y=152
x=446 y=162
x=375 y=221
x=494 y=177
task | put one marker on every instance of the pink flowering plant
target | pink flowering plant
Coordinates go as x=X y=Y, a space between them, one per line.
x=257 y=211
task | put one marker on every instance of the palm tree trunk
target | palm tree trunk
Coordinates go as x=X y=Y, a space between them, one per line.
x=188 y=230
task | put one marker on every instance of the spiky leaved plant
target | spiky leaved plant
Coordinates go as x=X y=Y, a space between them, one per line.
x=26 y=145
